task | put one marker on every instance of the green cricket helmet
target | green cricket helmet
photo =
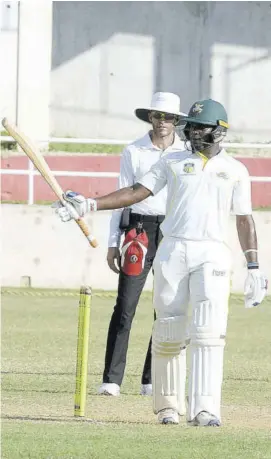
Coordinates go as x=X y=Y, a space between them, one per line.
x=208 y=113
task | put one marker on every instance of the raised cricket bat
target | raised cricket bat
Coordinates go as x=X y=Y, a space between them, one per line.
x=41 y=165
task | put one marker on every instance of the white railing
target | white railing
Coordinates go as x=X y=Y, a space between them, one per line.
x=74 y=140
x=236 y=145
x=31 y=172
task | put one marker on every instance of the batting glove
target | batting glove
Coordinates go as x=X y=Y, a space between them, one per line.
x=255 y=288
x=76 y=206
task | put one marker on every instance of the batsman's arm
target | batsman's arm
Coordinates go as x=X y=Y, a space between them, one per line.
x=124 y=197
x=150 y=184
x=242 y=208
x=247 y=237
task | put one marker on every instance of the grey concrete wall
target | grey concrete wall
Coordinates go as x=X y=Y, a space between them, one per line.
x=8 y=65
x=34 y=68
x=36 y=243
x=109 y=57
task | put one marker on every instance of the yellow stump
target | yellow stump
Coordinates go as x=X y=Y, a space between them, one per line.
x=82 y=352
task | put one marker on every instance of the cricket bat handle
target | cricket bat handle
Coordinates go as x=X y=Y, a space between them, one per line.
x=84 y=228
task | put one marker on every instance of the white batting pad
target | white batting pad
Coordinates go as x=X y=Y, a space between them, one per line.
x=169 y=364
x=206 y=366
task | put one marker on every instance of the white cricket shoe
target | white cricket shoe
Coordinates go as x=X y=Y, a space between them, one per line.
x=146 y=389
x=168 y=416
x=109 y=389
x=205 y=419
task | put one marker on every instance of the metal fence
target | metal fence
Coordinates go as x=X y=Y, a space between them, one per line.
x=31 y=172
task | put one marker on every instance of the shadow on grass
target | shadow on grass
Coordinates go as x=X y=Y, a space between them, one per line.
x=41 y=391
x=267 y=380
x=72 y=419
x=133 y=375
x=55 y=373
x=45 y=391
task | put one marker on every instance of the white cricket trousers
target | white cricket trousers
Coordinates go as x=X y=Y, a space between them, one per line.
x=192 y=286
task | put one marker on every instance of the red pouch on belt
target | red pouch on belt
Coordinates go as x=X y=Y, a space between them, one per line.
x=133 y=252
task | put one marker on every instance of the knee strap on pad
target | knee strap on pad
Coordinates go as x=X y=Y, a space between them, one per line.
x=169 y=364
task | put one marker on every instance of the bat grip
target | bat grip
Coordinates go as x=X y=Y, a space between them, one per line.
x=84 y=228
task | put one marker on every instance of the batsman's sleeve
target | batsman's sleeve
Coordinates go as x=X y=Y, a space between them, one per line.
x=156 y=178
x=241 y=197
x=126 y=178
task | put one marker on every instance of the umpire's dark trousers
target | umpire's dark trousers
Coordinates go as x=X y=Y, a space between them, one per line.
x=129 y=291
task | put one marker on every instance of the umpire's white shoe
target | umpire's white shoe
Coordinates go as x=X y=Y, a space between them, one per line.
x=146 y=389
x=109 y=389
x=168 y=416
x=205 y=419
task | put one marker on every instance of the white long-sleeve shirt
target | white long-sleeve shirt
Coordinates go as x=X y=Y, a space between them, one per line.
x=136 y=160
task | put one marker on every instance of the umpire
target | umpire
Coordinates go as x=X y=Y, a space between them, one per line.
x=137 y=158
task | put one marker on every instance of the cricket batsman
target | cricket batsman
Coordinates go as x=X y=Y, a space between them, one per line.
x=193 y=261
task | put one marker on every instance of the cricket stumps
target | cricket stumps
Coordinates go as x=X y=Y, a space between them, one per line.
x=82 y=351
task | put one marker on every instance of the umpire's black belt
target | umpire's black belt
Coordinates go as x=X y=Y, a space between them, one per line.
x=146 y=218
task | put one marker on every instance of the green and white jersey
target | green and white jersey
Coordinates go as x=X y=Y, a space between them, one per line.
x=201 y=194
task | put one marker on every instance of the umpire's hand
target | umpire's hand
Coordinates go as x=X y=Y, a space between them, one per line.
x=113 y=259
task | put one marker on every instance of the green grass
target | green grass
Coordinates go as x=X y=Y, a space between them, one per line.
x=39 y=335
x=111 y=149
x=70 y=147
x=86 y=148
x=262 y=209
x=92 y=441
x=7 y=145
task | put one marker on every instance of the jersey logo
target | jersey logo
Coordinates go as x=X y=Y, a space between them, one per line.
x=223 y=175
x=197 y=108
x=189 y=168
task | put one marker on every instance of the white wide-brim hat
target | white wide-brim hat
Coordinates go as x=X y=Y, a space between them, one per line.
x=165 y=102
